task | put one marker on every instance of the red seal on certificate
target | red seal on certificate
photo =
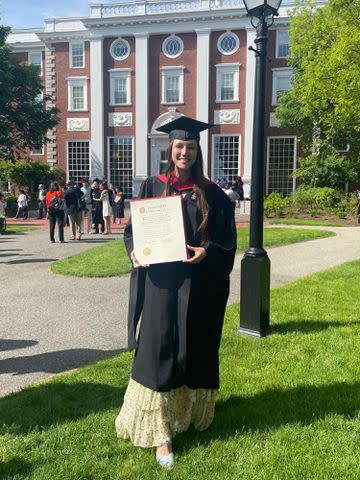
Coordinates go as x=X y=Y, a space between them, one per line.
x=142 y=210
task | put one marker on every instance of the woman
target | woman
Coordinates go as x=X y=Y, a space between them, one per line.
x=118 y=206
x=22 y=202
x=175 y=374
x=55 y=206
x=106 y=207
x=97 y=206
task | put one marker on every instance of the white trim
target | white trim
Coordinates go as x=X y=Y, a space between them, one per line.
x=276 y=74
x=36 y=52
x=77 y=82
x=97 y=107
x=84 y=77
x=277 y=42
x=120 y=70
x=124 y=57
x=141 y=109
x=71 y=44
x=114 y=75
x=172 y=72
x=249 y=105
x=202 y=89
x=213 y=151
x=166 y=41
x=227 y=68
x=228 y=34
x=268 y=157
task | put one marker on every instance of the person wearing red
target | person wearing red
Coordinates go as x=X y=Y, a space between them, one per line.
x=55 y=206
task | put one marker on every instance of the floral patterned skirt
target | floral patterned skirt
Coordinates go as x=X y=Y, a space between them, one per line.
x=150 y=419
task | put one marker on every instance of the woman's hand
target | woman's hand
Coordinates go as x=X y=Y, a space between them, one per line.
x=199 y=254
x=135 y=261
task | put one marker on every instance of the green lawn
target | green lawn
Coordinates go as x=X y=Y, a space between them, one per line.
x=111 y=259
x=288 y=407
x=13 y=229
x=303 y=221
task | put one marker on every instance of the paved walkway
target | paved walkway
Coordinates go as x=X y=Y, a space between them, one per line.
x=51 y=323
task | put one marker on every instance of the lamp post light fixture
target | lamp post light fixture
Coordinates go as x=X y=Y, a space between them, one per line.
x=255 y=265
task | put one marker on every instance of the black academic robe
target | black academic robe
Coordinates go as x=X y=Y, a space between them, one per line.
x=182 y=306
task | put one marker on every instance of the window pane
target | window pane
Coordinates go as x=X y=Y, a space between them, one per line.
x=78 y=160
x=172 y=93
x=283 y=85
x=283 y=43
x=281 y=165
x=226 y=159
x=77 y=98
x=121 y=164
x=77 y=55
x=227 y=86
x=120 y=93
x=35 y=58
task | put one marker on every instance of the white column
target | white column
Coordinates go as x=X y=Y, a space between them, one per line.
x=141 y=109
x=97 y=108
x=202 y=88
x=249 y=105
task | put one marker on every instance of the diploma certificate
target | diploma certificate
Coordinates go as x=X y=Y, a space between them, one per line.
x=158 y=230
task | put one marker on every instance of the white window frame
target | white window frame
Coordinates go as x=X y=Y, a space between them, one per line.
x=278 y=44
x=172 y=72
x=116 y=73
x=133 y=156
x=32 y=153
x=37 y=52
x=71 y=45
x=124 y=57
x=165 y=42
x=77 y=82
x=213 y=151
x=67 y=155
x=276 y=74
x=228 y=34
x=268 y=158
x=233 y=68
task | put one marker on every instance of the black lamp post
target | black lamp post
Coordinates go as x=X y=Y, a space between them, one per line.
x=255 y=265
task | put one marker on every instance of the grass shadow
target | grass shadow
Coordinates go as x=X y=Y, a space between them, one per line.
x=53 y=403
x=14 y=468
x=308 y=326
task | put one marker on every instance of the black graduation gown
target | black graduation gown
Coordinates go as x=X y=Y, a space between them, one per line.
x=182 y=306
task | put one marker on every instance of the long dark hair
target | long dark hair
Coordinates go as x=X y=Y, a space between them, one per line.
x=197 y=175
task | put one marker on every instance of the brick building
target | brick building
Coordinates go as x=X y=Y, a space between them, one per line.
x=129 y=67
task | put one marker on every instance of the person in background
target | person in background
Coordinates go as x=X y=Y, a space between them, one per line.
x=118 y=206
x=41 y=202
x=3 y=205
x=73 y=202
x=97 y=215
x=22 y=202
x=56 y=211
x=87 y=212
x=106 y=207
x=233 y=195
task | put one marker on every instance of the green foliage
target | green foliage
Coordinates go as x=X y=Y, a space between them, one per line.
x=328 y=169
x=325 y=92
x=25 y=119
x=274 y=204
x=311 y=201
x=30 y=173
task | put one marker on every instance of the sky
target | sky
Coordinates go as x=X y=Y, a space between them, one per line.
x=31 y=13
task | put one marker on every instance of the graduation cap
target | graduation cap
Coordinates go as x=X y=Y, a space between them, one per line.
x=184 y=128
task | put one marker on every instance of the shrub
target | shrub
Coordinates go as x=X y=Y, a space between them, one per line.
x=274 y=204
x=314 y=200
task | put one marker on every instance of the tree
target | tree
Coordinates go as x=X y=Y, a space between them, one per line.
x=30 y=174
x=24 y=116
x=325 y=92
